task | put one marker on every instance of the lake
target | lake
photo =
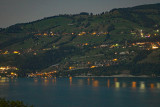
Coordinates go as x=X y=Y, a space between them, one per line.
x=83 y=92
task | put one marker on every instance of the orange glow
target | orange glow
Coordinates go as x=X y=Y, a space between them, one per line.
x=45 y=34
x=94 y=33
x=96 y=83
x=133 y=44
x=89 y=62
x=70 y=80
x=86 y=44
x=71 y=68
x=152 y=85
x=108 y=83
x=133 y=84
x=6 y=52
x=82 y=33
x=115 y=60
x=92 y=66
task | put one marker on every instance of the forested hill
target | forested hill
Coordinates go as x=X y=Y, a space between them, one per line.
x=122 y=37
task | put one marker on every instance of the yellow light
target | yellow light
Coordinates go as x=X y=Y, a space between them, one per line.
x=6 y=52
x=92 y=66
x=115 y=60
x=12 y=73
x=86 y=43
x=15 y=52
x=82 y=33
x=45 y=34
x=142 y=85
x=155 y=47
x=94 y=33
x=117 y=84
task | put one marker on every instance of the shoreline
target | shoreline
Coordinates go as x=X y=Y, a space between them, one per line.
x=122 y=76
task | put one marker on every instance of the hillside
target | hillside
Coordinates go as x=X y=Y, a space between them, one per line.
x=108 y=41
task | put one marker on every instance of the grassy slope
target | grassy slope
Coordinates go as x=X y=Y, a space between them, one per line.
x=21 y=36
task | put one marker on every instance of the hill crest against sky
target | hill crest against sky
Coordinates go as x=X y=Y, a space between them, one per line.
x=19 y=11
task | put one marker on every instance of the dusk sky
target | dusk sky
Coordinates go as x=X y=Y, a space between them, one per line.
x=21 y=11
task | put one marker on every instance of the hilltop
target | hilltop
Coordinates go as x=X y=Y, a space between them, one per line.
x=125 y=39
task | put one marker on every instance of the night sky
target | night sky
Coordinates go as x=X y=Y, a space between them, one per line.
x=20 y=11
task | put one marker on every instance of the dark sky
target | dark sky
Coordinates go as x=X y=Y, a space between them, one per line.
x=20 y=11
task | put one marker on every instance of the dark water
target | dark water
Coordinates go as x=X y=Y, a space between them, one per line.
x=83 y=92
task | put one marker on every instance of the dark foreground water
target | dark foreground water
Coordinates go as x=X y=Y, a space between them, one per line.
x=83 y=92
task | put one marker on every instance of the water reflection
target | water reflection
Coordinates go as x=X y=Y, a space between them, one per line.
x=134 y=84
x=108 y=83
x=158 y=85
x=152 y=85
x=142 y=85
x=70 y=80
x=54 y=81
x=95 y=83
x=88 y=81
x=124 y=85
x=4 y=80
x=35 y=80
x=46 y=81
x=117 y=84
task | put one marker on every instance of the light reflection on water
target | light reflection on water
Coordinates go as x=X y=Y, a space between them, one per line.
x=95 y=82
x=70 y=90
